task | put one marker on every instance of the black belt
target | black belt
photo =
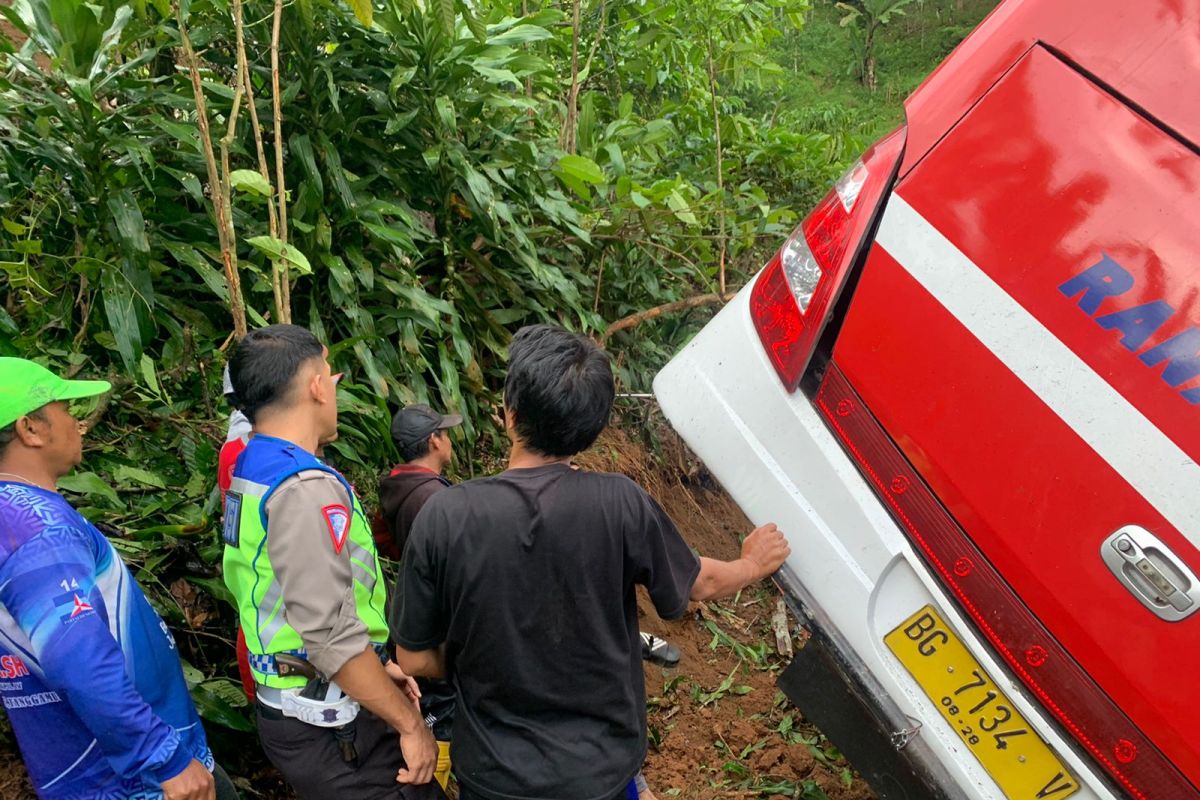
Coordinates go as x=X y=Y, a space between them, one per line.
x=273 y=714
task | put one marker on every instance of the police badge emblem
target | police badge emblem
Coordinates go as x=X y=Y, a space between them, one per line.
x=337 y=519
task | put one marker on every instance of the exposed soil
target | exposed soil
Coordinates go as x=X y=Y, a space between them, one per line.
x=746 y=741
x=718 y=726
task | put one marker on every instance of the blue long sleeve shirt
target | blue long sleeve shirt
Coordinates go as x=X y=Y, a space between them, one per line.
x=89 y=676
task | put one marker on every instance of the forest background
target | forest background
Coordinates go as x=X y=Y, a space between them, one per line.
x=413 y=181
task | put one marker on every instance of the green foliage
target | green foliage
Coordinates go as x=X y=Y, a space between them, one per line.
x=431 y=212
x=824 y=61
x=867 y=17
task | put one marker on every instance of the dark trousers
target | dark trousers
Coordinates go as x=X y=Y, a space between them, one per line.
x=312 y=763
x=225 y=788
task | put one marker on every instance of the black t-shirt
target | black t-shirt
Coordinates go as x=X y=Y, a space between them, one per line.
x=528 y=578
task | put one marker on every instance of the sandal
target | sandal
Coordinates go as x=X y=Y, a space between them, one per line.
x=659 y=651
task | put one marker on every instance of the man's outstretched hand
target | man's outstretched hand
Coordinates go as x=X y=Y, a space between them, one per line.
x=763 y=552
x=766 y=548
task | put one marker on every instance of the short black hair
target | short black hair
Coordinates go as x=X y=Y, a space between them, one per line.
x=265 y=362
x=8 y=433
x=411 y=451
x=559 y=387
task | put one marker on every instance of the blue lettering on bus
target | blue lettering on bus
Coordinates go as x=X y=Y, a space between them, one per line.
x=1137 y=324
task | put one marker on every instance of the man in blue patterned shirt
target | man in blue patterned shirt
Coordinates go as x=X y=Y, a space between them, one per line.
x=89 y=676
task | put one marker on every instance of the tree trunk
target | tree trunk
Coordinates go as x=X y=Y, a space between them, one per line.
x=568 y=136
x=869 y=57
x=716 y=112
x=233 y=281
x=282 y=314
x=528 y=81
x=285 y=283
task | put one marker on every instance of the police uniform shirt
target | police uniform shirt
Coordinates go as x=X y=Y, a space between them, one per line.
x=315 y=574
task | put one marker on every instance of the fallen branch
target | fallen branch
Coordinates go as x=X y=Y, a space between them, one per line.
x=633 y=320
x=779 y=624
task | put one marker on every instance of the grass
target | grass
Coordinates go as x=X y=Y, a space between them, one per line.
x=822 y=59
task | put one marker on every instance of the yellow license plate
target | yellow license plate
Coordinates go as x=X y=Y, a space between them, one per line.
x=989 y=725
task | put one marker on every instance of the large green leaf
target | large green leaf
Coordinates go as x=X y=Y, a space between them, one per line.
x=127 y=474
x=90 y=485
x=252 y=181
x=364 y=10
x=217 y=702
x=522 y=34
x=126 y=297
x=130 y=224
x=582 y=168
x=276 y=250
x=474 y=24
x=443 y=11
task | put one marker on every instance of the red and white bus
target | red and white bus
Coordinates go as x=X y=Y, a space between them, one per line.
x=968 y=390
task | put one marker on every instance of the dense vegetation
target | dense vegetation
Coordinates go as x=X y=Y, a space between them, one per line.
x=412 y=180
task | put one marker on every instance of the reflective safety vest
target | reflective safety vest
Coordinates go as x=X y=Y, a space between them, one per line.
x=261 y=468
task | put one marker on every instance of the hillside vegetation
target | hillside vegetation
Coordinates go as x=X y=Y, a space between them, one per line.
x=413 y=181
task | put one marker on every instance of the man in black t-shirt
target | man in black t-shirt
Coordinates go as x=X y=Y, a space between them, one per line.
x=520 y=589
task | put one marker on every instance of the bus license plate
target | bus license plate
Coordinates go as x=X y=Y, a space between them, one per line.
x=989 y=725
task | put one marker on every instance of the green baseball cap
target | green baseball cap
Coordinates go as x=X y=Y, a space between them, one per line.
x=25 y=387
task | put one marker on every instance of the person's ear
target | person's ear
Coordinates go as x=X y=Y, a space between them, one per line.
x=316 y=387
x=33 y=431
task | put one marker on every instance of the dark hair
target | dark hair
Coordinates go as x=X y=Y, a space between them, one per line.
x=411 y=451
x=559 y=387
x=265 y=362
x=8 y=433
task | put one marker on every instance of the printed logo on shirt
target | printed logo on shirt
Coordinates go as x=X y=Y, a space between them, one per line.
x=73 y=606
x=12 y=667
x=167 y=633
x=32 y=700
x=337 y=519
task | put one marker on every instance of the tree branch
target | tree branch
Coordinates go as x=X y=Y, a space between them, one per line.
x=228 y=258
x=633 y=320
x=280 y=186
x=568 y=136
x=716 y=111
x=263 y=169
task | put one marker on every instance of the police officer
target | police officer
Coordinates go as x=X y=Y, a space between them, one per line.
x=301 y=563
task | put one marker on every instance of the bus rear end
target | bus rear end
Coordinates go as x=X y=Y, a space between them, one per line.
x=966 y=388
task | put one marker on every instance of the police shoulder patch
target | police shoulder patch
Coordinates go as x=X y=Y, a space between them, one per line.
x=337 y=520
x=231 y=525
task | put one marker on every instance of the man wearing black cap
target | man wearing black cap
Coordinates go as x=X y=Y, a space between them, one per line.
x=420 y=434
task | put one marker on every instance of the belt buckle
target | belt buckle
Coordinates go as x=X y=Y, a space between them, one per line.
x=321 y=713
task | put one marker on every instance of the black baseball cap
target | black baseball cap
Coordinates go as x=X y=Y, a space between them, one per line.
x=414 y=423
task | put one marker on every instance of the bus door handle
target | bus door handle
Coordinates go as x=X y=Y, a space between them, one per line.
x=1152 y=573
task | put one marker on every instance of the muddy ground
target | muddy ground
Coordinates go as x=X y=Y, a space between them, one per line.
x=718 y=726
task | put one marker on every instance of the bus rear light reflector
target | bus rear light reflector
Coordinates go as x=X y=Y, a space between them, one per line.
x=1045 y=667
